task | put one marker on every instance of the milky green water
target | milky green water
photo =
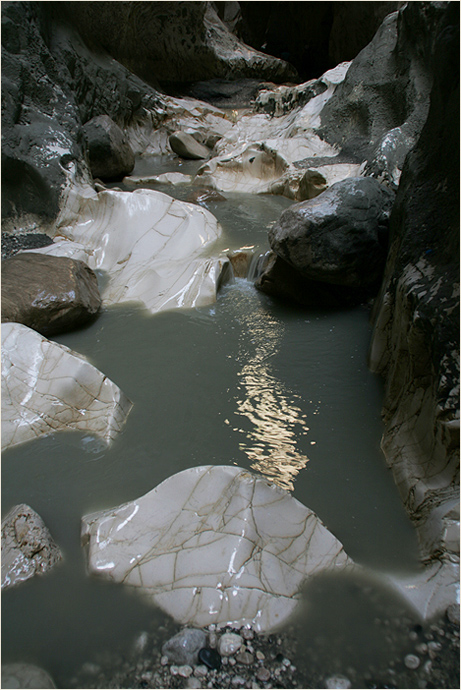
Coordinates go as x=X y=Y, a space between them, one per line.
x=247 y=381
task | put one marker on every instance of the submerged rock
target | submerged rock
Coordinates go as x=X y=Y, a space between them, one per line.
x=46 y=387
x=338 y=237
x=21 y=675
x=28 y=548
x=109 y=151
x=50 y=294
x=213 y=545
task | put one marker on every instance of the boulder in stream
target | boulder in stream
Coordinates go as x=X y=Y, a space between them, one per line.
x=186 y=146
x=213 y=544
x=109 y=151
x=338 y=237
x=51 y=294
x=28 y=548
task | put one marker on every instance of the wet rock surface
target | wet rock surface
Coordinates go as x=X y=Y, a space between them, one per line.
x=340 y=236
x=109 y=151
x=50 y=294
x=28 y=549
x=12 y=244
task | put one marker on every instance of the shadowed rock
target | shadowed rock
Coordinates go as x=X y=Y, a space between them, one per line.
x=50 y=294
x=109 y=152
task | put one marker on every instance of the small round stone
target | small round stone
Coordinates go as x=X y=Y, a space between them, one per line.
x=247 y=633
x=338 y=682
x=185 y=671
x=200 y=671
x=174 y=670
x=210 y=658
x=194 y=683
x=260 y=655
x=244 y=658
x=411 y=661
x=229 y=644
x=263 y=674
x=164 y=660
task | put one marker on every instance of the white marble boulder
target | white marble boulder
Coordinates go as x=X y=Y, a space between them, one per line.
x=153 y=248
x=28 y=548
x=46 y=388
x=213 y=544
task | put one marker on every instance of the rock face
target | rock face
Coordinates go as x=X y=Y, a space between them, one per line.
x=172 y=42
x=338 y=237
x=50 y=294
x=187 y=147
x=109 y=152
x=46 y=387
x=379 y=110
x=213 y=544
x=22 y=675
x=416 y=334
x=28 y=548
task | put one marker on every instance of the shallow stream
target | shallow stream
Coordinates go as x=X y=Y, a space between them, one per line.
x=248 y=381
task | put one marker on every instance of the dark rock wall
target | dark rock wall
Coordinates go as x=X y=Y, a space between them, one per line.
x=416 y=335
x=313 y=36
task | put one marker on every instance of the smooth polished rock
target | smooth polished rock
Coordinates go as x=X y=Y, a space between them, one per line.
x=46 y=388
x=186 y=146
x=109 y=151
x=213 y=544
x=21 y=675
x=48 y=293
x=153 y=248
x=28 y=548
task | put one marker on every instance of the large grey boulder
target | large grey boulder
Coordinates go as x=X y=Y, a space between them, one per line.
x=185 y=146
x=28 y=548
x=50 y=294
x=415 y=342
x=110 y=154
x=338 y=237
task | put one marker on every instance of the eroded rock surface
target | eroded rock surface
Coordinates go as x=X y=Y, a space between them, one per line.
x=48 y=293
x=109 y=151
x=187 y=147
x=28 y=548
x=46 y=388
x=213 y=544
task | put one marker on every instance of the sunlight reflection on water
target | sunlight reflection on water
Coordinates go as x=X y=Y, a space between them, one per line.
x=276 y=422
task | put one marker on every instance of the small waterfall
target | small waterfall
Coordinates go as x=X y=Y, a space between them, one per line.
x=248 y=264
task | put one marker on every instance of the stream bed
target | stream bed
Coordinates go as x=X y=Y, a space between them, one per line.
x=247 y=381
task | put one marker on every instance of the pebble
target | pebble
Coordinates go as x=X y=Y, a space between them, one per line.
x=212 y=640
x=183 y=648
x=244 y=658
x=164 y=660
x=411 y=661
x=338 y=682
x=247 y=633
x=260 y=655
x=232 y=661
x=210 y=658
x=286 y=662
x=185 y=671
x=174 y=670
x=229 y=643
x=421 y=648
x=263 y=674
x=200 y=671
x=238 y=680
x=193 y=683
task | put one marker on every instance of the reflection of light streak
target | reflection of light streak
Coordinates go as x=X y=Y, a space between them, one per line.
x=271 y=441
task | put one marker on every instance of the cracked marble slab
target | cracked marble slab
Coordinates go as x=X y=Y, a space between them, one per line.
x=154 y=249
x=213 y=544
x=46 y=387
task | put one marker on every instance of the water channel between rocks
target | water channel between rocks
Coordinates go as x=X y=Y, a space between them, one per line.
x=247 y=381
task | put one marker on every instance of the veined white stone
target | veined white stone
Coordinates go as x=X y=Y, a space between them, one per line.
x=152 y=247
x=46 y=387
x=213 y=544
